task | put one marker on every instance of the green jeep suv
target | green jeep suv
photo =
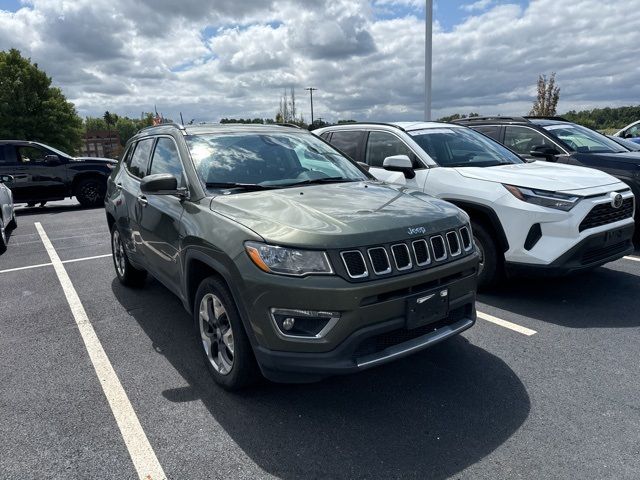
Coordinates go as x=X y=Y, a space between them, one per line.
x=293 y=260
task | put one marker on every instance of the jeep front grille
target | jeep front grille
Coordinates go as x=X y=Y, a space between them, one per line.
x=355 y=264
x=404 y=257
x=401 y=256
x=439 y=249
x=379 y=260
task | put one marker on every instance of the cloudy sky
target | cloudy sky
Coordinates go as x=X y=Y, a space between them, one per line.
x=233 y=58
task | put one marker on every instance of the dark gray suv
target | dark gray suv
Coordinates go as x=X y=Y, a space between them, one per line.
x=293 y=260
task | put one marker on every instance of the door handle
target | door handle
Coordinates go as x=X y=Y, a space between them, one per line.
x=143 y=200
x=119 y=186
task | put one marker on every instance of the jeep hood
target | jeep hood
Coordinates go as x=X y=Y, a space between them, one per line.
x=541 y=175
x=341 y=215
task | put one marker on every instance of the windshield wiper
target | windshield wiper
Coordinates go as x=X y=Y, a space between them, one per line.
x=243 y=186
x=320 y=180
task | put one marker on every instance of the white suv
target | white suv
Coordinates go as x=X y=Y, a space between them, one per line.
x=526 y=217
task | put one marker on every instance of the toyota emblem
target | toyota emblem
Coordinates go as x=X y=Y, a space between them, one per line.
x=616 y=200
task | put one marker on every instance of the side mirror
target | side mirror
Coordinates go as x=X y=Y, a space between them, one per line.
x=399 y=163
x=161 y=184
x=544 y=151
x=627 y=135
x=52 y=160
x=6 y=179
x=365 y=166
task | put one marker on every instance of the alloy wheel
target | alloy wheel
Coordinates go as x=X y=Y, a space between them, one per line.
x=118 y=253
x=216 y=334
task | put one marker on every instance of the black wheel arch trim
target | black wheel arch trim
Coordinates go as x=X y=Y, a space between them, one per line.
x=194 y=253
x=490 y=214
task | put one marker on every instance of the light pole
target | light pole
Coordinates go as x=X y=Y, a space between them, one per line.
x=311 y=90
x=428 y=59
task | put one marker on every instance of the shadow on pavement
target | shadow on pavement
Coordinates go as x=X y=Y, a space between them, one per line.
x=427 y=416
x=602 y=298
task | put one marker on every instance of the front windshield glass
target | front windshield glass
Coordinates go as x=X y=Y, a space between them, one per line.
x=269 y=160
x=582 y=139
x=462 y=147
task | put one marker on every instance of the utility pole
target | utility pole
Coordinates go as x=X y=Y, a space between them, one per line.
x=311 y=90
x=428 y=59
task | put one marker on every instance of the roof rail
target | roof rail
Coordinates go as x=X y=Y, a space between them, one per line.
x=369 y=123
x=489 y=118
x=290 y=125
x=168 y=124
x=551 y=117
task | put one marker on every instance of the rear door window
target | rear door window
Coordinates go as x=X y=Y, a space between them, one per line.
x=492 y=131
x=348 y=142
x=139 y=161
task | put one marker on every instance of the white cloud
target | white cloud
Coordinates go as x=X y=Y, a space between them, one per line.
x=234 y=59
x=476 y=6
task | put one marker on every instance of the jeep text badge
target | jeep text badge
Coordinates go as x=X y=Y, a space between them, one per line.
x=417 y=231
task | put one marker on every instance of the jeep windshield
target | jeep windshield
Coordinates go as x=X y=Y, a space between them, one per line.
x=462 y=147
x=251 y=161
x=583 y=140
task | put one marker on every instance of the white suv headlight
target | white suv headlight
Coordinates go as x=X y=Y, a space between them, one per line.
x=288 y=261
x=557 y=201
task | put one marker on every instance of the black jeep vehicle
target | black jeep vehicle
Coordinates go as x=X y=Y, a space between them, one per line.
x=42 y=173
x=556 y=139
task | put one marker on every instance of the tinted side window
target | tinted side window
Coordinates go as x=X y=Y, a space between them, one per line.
x=326 y=136
x=522 y=139
x=167 y=160
x=382 y=145
x=489 y=131
x=30 y=155
x=2 y=157
x=139 y=161
x=348 y=142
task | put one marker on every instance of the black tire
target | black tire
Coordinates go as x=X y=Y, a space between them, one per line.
x=90 y=192
x=243 y=370
x=3 y=237
x=127 y=273
x=13 y=224
x=491 y=265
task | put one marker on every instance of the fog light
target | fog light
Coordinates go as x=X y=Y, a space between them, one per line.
x=303 y=323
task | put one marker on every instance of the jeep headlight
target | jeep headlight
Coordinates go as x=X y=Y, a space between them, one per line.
x=555 y=200
x=288 y=261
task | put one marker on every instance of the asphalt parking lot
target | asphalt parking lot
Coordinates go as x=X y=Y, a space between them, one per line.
x=544 y=386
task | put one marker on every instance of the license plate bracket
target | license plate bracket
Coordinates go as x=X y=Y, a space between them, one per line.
x=427 y=307
x=613 y=236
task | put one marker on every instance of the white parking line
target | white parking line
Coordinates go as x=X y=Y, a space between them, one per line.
x=49 y=264
x=503 y=323
x=140 y=450
x=635 y=259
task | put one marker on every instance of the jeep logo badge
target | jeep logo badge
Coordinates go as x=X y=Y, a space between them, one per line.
x=616 y=200
x=417 y=230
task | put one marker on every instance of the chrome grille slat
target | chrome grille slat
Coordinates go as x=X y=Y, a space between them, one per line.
x=465 y=236
x=453 y=242
x=373 y=259
x=438 y=245
x=398 y=250
x=350 y=256
x=416 y=245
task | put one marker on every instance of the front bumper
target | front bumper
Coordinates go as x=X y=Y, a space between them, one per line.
x=372 y=328
x=592 y=252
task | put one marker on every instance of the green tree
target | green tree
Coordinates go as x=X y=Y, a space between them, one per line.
x=548 y=96
x=31 y=109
